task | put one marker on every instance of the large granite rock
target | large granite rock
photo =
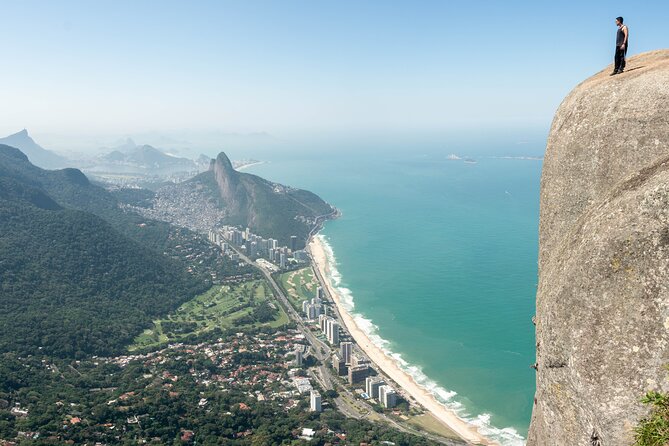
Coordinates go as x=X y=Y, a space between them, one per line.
x=603 y=297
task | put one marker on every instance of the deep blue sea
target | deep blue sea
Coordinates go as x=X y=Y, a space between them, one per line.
x=439 y=259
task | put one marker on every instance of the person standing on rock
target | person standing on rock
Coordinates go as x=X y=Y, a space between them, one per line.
x=622 y=40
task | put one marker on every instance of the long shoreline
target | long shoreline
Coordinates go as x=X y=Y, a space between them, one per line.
x=386 y=364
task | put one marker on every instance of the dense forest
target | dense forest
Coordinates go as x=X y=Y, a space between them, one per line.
x=73 y=286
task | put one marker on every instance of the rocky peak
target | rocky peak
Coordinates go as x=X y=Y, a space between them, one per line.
x=232 y=191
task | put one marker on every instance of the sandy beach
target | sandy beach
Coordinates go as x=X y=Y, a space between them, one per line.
x=387 y=364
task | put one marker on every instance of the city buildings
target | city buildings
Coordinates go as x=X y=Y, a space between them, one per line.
x=358 y=373
x=387 y=396
x=332 y=331
x=346 y=349
x=255 y=246
x=339 y=365
x=372 y=384
x=358 y=358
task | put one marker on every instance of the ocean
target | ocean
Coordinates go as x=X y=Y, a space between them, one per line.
x=438 y=260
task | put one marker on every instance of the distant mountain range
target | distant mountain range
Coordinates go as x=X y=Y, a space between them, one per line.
x=128 y=159
x=141 y=159
x=37 y=154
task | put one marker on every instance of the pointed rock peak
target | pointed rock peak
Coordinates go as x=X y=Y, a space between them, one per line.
x=23 y=134
x=222 y=161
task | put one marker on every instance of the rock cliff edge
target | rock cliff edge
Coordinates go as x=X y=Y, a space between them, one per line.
x=603 y=296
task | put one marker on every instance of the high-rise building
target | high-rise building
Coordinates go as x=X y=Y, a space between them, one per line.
x=334 y=334
x=358 y=374
x=372 y=384
x=312 y=311
x=300 y=256
x=282 y=260
x=358 y=359
x=339 y=365
x=298 y=358
x=322 y=320
x=332 y=331
x=315 y=405
x=305 y=308
x=320 y=293
x=346 y=349
x=387 y=396
x=293 y=243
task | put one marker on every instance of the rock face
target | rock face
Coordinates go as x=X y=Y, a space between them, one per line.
x=234 y=194
x=603 y=297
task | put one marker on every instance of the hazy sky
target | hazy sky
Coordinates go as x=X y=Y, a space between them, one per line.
x=291 y=67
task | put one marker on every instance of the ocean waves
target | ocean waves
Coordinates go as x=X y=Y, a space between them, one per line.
x=506 y=436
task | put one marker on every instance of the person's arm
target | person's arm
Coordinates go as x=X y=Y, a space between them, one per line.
x=625 y=41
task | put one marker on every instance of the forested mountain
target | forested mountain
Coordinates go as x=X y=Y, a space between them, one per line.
x=71 y=283
x=71 y=189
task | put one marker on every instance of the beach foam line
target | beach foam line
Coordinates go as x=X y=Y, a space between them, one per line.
x=444 y=405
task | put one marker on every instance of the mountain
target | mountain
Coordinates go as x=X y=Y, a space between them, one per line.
x=38 y=155
x=268 y=209
x=203 y=162
x=222 y=195
x=142 y=159
x=73 y=284
x=602 y=321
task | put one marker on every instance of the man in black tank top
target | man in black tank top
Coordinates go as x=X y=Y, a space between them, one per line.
x=622 y=41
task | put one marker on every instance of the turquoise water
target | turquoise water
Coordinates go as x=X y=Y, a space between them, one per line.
x=439 y=257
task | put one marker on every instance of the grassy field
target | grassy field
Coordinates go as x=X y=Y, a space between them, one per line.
x=228 y=306
x=300 y=285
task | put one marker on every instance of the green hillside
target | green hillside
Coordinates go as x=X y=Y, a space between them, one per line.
x=268 y=209
x=72 y=284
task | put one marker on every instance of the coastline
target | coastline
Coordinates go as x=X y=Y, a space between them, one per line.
x=388 y=365
x=246 y=166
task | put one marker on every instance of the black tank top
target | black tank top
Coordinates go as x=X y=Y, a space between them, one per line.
x=620 y=37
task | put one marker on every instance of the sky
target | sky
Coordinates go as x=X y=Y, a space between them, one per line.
x=75 y=69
